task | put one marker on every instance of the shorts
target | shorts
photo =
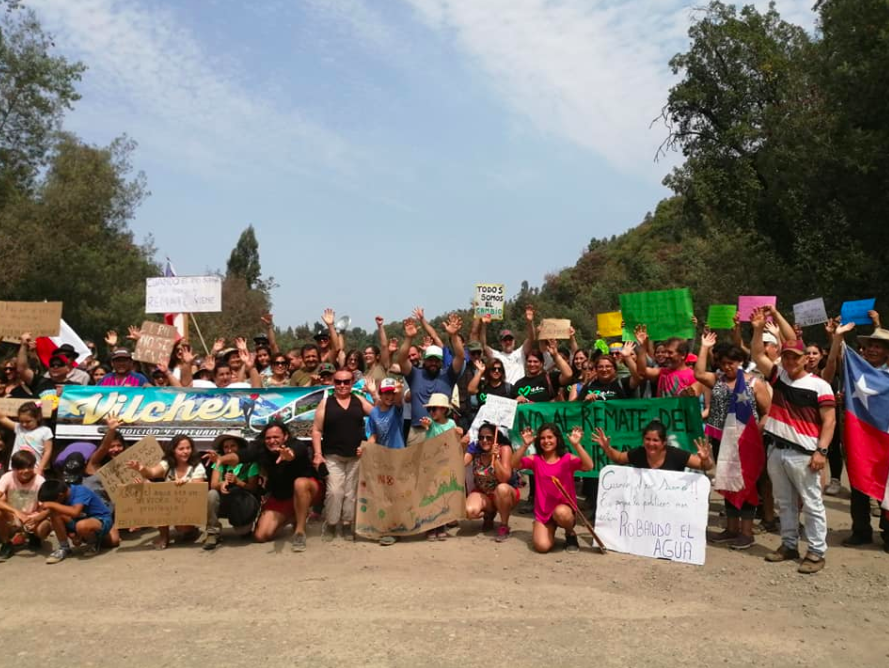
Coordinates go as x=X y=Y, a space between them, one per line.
x=107 y=524
x=285 y=506
x=493 y=497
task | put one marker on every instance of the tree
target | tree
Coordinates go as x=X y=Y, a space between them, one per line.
x=35 y=90
x=244 y=259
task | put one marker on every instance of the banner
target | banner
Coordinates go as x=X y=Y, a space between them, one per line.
x=622 y=420
x=203 y=414
x=155 y=344
x=116 y=474
x=409 y=491
x=489 y=300
x=652 y=513
x=183 y=294
x=159 y=504
x=36 y=318
x=608 y=324
x=666 y=313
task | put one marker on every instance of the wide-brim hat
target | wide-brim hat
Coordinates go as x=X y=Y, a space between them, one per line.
x=438 y=400
x=880 y=334
x=226 y=435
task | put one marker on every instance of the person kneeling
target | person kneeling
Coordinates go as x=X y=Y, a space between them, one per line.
x=496 y=484
x=76 y=512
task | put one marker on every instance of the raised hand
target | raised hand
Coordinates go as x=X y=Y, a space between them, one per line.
x=773 y=329
x=267 y=320
x=112 y=422
x=480 y=365
x=758 y=318
x=247 y=358
x=133 y=333
x=419 y=313
x=628 y=350
x=454 y=324
x=218 y=345
x=486 y=318
x=601 y=439
x=831 y=326
x=736 y=319
x=571 y=332
x=575 y=437
x=798 y=330
x=110 y=338
x=529 y=313
x=370 y=386
x=528 y=436
x=705 y=452
x=328 y=317
x=641 y=334
x=240 y=343
x=708 y=340
x=185 y=354
x=393 y=345
x=552 y=347
x=845 y=329
x=410 y=328
x=379 y=321
x=874 y=317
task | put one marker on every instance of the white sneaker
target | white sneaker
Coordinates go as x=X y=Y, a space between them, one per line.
x=833 y=488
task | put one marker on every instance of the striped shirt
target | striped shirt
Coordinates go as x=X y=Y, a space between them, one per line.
x=795 y=416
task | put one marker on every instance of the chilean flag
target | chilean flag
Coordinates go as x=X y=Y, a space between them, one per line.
x=866 y=432
x=46 y=345
x=741 y=452
x=176 y=320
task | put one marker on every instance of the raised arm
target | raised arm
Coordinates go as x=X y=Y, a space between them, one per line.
x=574 y=439
x=527 y=440
x=565 y=372
x=385 y=356
x=837 y=334
x=615 y=456
x=483 y=336
x=703 y=460
x=627 y=354
x=643 y=371
x=479 y=368
x=111 y=424
x=531 y=337
x=404 y=362
x=452 y=327
x=572 y=341
x=336 y=343
x=22 y=361
x=248 y=360
x=737 y=339
x=420 y=315
x=758 y=354
x=268 y=321
x=704 y=377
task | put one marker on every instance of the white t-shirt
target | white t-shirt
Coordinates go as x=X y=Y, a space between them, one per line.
x=21 y=497
x=34 y=440
x=194 y=472
x=514 y=363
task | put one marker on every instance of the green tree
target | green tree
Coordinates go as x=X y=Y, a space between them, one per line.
x=244 y=259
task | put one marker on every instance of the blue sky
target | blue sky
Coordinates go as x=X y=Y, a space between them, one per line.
x=389 y=153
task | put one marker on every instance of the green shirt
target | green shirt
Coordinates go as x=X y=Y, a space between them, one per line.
x=242 y=471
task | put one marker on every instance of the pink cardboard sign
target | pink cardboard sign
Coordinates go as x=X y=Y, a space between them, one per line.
x=747 y=304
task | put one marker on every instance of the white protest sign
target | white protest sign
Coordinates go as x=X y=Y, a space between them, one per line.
x=496 y=410
x=183 y=294
x=810 y=313
x=489 y=300
x=652 y=513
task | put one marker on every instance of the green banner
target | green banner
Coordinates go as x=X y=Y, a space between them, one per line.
x=666 y=313
x=721 y=316
x=622 y=420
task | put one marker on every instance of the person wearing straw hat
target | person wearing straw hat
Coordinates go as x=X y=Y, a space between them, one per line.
x=438 y=421
x=232 y=492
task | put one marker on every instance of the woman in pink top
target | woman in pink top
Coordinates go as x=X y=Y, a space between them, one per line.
x=552 y=460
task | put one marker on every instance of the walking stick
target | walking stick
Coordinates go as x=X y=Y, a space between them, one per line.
x=579 y=514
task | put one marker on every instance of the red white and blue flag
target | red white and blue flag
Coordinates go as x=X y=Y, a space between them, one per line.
x=741 y=453
x=177 y=320
x=866 y=430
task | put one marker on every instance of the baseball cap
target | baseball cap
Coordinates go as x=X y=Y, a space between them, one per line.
x=388 y=385
x=506 y=333
x=121 y=352
x=433 y=351
x=794 y=346
x=326 y=367
x=691 y=358
x=475 y=347
x=768 y=337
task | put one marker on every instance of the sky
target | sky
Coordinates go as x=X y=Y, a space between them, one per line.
x=388 y=153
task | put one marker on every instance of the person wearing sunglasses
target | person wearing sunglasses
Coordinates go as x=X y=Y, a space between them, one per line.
x=10 y=379
x=280 y=372
x=488 y=378
x=513 y=358
x=496 y=483
x=337 y=433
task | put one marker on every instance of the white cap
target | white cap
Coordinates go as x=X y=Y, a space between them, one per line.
x=433 y=351
x=768 y=337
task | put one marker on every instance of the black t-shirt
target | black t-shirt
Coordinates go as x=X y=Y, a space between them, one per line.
x=504 y=390
x=279 y=478
x=619 y=388
x=675 y=459
x=537 y=388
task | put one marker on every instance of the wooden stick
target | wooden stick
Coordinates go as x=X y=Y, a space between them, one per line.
x=579 y=514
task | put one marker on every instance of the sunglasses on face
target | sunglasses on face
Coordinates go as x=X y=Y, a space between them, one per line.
x=437 y=408
x=56 y=365
x=280 y=362
x=484 y=439
x=496 y=369
x=9 y=368
x=340 y=381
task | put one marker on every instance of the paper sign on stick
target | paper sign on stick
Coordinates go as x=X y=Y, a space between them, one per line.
x=37 y=318
x=115 y=474
x=496 y=410
x=554 y=328
x=654 y=513
x=489 y=300
x=406 y=492
x=749 y=303
x=721 y=316
x=856 y=311
x=154 y=504
x=183 y=294
x=10 y=407
x=808 y=313
x=155 y=344
x=666 y=313
x=608 y=324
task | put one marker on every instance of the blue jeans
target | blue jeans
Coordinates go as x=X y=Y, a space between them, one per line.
x=792 y=481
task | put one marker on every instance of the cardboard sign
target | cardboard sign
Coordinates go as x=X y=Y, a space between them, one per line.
x=721 y=316
x=666 y=313
x=554 y=328
x=155 y=344
x=183 y=294
x=115 y=474
x=10 y=407
x=653 y=513
x=37 y=318
x=160 y=504
x=856 y=311
x=812 y=312
x=409 y=491
x=609 y=324
x=748 y=303
x=489 y=300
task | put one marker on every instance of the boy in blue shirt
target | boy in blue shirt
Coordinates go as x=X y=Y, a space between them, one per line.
x=76 y=511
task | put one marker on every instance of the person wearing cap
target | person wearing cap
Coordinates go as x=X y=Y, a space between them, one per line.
x=337 y=432
x=122 y=374
x=513 y=358
x=233 y=489
x=325 y=373
x=75 y=376
x=432 y=377
x=385 y=422
x=875 y=351
x=46 y=387
x=798 y=429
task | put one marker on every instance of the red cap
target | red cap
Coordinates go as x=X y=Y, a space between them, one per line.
x=793 y=346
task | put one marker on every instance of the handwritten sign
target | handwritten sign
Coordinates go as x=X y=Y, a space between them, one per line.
x=115 y=474
x=749 y=303
x=489 y=300
x=183 y=294
x=554 y=328
x=409 y=491
x=38 y=318
x=160 y=504
x=808 y=313
x=496 y=410
x=10 y=407
x=666 y=313
x=652 y=513
x=609 y=324
x=155 y=344
x=721 y=316
x=856 y=311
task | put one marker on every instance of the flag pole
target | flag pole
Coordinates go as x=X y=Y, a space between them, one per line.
x=198 y=329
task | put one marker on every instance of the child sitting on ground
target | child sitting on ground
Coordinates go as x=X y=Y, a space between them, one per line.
x=77 y=512
x=18 y=504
